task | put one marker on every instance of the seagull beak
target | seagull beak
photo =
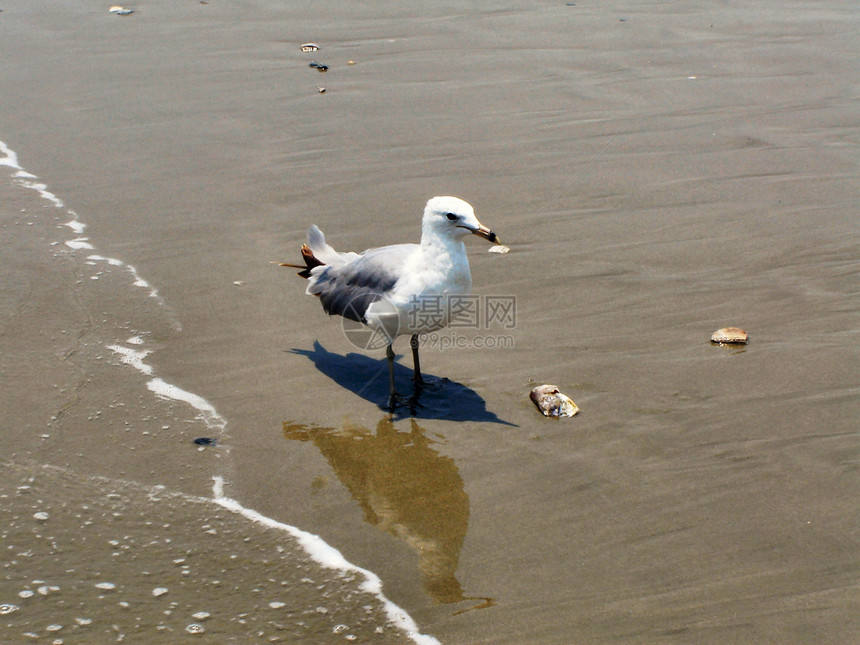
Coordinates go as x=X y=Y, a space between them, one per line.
x=487 y=234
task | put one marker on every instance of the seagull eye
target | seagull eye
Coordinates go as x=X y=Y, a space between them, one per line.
x=451 y=217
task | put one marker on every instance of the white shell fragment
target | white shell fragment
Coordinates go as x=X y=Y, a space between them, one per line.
x=553 y=403
x=121 y=11
x=310 y=47
x=500 y=248
x=730 y=335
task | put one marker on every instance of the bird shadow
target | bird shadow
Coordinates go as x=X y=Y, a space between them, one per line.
x=440 y=398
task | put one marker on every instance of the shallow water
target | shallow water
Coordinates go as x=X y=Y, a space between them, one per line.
x=96 y=560
x=657 y=173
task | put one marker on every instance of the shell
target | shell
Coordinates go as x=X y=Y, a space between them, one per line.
x=500 y=248
x=553 y=403
x=310 y=47
x=730 y=335
x=120 y=11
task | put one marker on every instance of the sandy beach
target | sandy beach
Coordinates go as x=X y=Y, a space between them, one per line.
x=658 y=171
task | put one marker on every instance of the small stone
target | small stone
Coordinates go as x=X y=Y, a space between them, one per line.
x=320 y=67
x=7 y=608
x=500 y=248
x=277 y=604
x=120 y=11
x=195 y=628
x=105 y=586
x=42 y=516
x=730 y=336
x=159 y=591
x=26 y=593
x=201 y=615
x=83 y=622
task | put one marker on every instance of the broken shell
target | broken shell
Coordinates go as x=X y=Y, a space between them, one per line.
x=321 y=90
x=120 y=11
x=730 y=335
x=500 y=248
x=320 y=67
x=553 y=403
x=310 y=47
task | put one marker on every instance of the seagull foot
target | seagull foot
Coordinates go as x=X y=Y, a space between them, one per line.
x=392 y=401
x=396 y=400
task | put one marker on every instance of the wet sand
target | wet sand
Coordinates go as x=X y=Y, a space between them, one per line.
x=658 y=174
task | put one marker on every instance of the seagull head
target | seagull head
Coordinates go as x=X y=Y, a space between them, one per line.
x=452 y=218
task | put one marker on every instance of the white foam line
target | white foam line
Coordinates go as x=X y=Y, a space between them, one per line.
x=24 y=178
x=138 y=281
x=133 y=357
x=79 y=243
x=29 y=180
x=9 y=158
x=161 y=388
x=40 y=188
x=206 y=411
x=75 y=224
x=326 y=555
x=112 y=261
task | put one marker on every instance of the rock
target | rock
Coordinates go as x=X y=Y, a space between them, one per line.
x=553 y=403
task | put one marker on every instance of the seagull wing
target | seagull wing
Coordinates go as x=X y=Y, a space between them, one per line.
x=349 y=289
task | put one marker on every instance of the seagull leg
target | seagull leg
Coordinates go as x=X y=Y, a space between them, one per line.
x=392 y=396
x=416 y=377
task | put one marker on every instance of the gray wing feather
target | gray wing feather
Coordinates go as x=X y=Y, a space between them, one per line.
x=348 y=290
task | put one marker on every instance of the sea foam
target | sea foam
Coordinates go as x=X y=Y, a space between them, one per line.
x=327 y=556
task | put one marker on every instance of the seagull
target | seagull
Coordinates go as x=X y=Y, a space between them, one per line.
x=387 y=288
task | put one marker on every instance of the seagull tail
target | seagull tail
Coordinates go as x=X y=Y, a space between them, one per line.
x=311 y=262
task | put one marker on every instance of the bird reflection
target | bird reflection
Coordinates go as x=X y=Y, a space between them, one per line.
x=405 y=488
